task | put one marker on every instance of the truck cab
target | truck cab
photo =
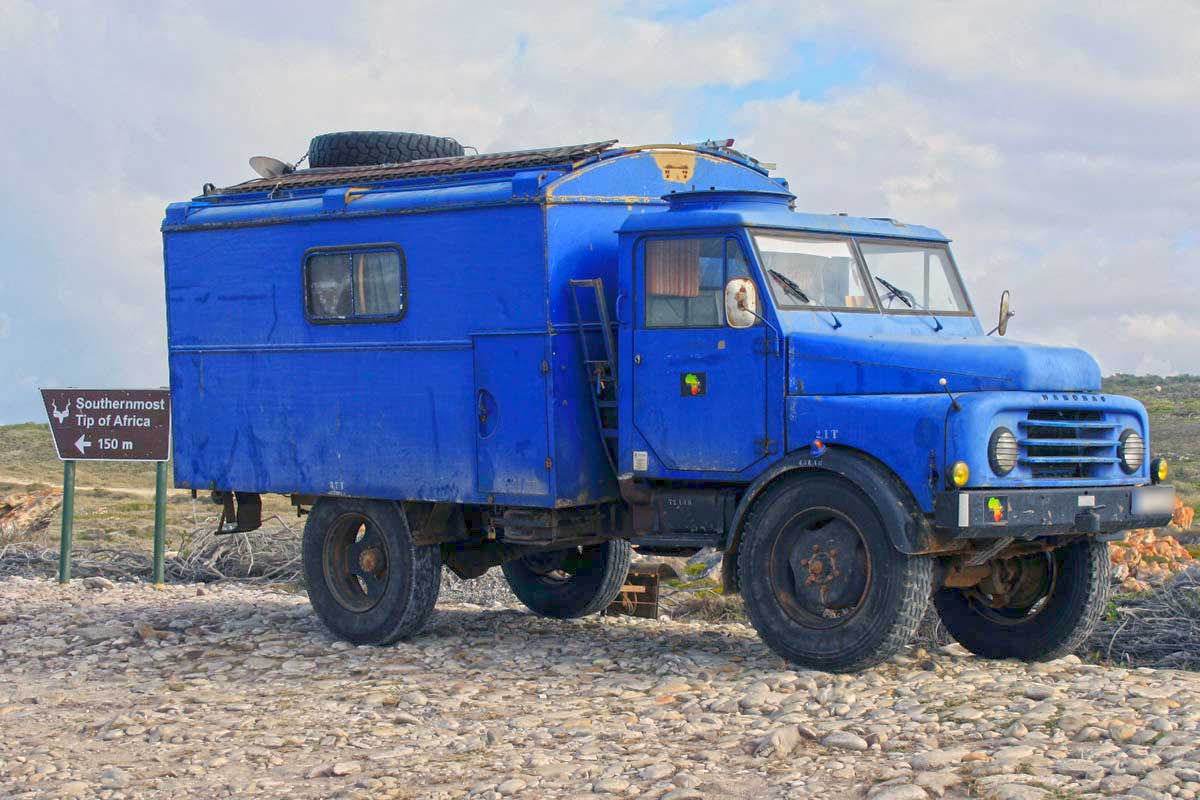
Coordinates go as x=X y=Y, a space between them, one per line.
x=584 y=352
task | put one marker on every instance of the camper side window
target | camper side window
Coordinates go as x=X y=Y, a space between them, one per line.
x=354 y=285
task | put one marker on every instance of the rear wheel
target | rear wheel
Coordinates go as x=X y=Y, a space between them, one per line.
x=1036 y=607
x=366 y=579
x=822 y=584
x=570 y=583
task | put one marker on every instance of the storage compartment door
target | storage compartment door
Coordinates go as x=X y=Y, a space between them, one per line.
x=512 y=441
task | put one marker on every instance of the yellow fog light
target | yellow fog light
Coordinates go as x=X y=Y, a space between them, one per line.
x=960 y=473
x=1159 y=470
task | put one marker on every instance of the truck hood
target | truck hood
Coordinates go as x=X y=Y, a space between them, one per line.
x=829 y=364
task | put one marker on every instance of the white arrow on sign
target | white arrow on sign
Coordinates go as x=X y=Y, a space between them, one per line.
x=82 y=444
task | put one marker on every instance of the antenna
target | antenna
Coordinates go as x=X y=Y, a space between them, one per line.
x=268 y=167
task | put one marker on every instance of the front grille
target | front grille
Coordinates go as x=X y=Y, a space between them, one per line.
x=1068 y=443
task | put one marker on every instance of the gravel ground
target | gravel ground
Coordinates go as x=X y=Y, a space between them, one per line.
x=124 y=691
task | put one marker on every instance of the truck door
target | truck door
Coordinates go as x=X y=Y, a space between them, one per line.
x=699 y=386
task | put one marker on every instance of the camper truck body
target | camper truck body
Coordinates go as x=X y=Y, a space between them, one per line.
x=528 y=354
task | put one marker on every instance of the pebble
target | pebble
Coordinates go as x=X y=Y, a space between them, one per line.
x=124 y=691
x=845 y=741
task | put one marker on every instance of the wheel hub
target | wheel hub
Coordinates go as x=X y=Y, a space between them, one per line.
x=825 y=567
x=355 y=563
x=370 y=560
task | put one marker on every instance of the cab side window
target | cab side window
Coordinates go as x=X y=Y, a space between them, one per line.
x=354 y=285
x=685 y=280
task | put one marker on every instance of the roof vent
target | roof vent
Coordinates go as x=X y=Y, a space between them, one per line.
x=729 y=200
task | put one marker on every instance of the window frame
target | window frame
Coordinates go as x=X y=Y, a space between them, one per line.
x=916 y=244
x=864 y=276
x=350 y=250
x=725 y=237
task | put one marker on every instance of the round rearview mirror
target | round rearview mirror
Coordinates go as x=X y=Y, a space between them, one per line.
x=1006 y=313
x=741 y=303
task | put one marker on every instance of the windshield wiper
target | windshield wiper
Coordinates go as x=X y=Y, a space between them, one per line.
x=899 y=294
x=790 y=285
x=909 y=299
x=794 y=289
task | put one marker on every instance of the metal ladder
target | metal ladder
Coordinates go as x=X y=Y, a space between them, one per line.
x=601 y=372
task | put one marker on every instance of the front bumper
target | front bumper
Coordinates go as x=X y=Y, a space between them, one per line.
x=1030 y=513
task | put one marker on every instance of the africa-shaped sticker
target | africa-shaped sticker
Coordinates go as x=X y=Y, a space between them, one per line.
x=693 y=384
x=996 y=506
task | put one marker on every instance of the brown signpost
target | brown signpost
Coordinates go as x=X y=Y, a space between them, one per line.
x=110 y=425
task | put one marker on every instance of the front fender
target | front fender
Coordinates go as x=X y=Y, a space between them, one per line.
x=908 y=528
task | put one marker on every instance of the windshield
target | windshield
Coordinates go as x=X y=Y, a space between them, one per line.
x=812 y=273
x=914 y=277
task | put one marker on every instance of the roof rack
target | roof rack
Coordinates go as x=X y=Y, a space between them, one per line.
x=429 y=167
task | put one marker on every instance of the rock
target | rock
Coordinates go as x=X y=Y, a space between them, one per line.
x=115 y=778
x=610 y=785
x=1035 y=691
x=844 y=740
x=1017 y=730
x=144 y=631
x=936 y=759
x=903 y=791
x=1121 y=731
x=1160 y=779
x=75 y=789
x=682 y=794
x=1015 y=791
x=341 y=768
x=656 y=772
x=511 y=786
x=936 y=783
x=1078 y=768
x=1118 y=784
x=779 y=742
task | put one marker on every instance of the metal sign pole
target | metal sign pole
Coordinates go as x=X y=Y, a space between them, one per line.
x=160 y=519
x=68 y=521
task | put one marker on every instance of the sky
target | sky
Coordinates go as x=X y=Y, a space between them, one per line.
x=1055 y=143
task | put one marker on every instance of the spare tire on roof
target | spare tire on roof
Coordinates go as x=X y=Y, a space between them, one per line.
x=362 y=148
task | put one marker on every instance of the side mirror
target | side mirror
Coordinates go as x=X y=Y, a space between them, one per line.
x=1006 y=313
x=741 y=303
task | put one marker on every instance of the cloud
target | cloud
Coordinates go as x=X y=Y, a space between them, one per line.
x=1054 y=153
x=1052 y=143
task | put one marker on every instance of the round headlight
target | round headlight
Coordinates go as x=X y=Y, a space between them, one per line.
x=1002 y=451
x=1131 y=451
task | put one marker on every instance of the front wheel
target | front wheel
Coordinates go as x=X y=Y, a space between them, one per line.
x=367 y=580
x=1034 y=607
x=570 y=583
x=823 y=586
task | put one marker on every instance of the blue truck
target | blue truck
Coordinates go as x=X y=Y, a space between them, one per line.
x=548 y=359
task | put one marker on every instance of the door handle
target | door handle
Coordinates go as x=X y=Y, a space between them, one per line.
x=637 y=358
x=617 y=308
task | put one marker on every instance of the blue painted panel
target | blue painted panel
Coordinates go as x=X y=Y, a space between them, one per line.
x=839 y=362
x=902 y=431
x=512 y=438
x=366 y=422
x=718 y=431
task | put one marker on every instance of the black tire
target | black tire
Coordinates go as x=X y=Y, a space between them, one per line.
x=571 y=583
x=1059 y=620
x=363 y=148
x=848 y=613
x=366 y=579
